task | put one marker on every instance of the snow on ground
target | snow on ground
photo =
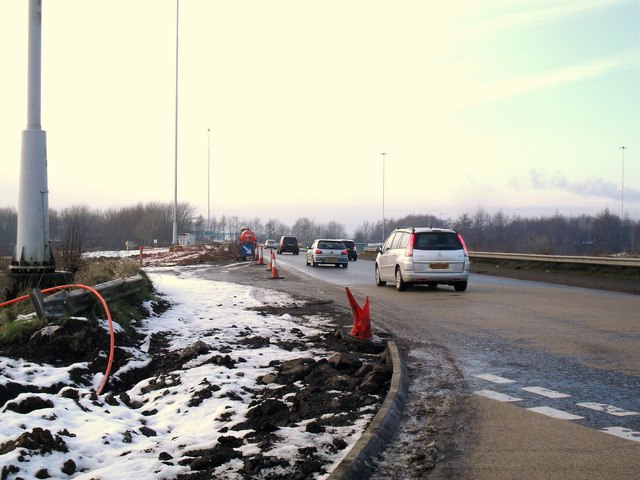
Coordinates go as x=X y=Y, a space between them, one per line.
x=114 y=441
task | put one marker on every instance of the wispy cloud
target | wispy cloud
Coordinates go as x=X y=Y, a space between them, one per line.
x=592 y=187
x=478 y=93
x=526 y=13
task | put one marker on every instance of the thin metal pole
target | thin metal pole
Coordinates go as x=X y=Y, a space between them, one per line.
x=383 y=217
x=35 y=65
x=175 y=185
x=208 y=178
x=623 y=148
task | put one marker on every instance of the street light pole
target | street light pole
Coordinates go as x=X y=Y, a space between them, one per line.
x=623 y=148
x=209 y=178
x=32 y=253
x=175 y=186
x=383 y=218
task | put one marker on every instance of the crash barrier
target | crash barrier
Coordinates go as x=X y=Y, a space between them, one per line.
x=66 y=303
x=608 y=262
x=569 y=259
x=39 y=304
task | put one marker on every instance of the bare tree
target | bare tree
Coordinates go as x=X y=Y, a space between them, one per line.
x=303 y=228
x=334 y=229
x=76 y=221
x=8 y=230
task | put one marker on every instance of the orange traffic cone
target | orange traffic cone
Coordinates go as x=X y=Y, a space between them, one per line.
x=260 y=258
x=270 y=260
x=255 y=252
x=361 y=329
x=274 y=270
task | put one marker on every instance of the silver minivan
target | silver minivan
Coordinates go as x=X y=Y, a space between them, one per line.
x=421 y=255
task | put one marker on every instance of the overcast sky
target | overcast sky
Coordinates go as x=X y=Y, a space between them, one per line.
x=514 y=105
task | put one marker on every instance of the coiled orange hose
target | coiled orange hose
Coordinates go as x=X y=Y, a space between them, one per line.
x=106 y=310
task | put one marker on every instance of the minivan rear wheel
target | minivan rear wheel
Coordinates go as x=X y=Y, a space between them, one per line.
x=460 y=286
x=401 y=285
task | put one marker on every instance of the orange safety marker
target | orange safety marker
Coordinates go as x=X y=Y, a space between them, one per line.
x=271 y=259
x=260 y=258
x=274 y=270
x=361 y=329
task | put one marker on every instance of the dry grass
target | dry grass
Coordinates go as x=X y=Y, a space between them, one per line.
x=98 y=271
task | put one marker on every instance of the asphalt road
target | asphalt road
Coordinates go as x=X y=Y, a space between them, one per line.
x=547 y=377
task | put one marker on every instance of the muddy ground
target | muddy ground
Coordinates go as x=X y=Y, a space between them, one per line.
x=361 y=371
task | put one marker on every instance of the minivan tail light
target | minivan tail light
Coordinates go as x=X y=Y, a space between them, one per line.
x=464 y=245
x=344 y=252
x=318 y=251
x=408 y=252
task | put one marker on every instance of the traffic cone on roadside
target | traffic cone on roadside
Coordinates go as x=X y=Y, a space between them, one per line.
x=361 y=329
x=275 y=275
x=255 y=253
x=271 y=258
x=260 y=257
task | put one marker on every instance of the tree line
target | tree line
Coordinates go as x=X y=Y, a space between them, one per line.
x=152 y=224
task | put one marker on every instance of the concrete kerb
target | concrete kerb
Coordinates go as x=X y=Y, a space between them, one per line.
x=358 y=463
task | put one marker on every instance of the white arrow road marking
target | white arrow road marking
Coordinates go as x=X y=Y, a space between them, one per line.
x=545 y=392
x=494 y=378
x=623 y=433
x=501 y=397
x=552 y=412
x=610 y=409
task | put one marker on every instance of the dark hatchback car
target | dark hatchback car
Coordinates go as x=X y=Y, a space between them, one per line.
x=351 y=249
x=288 y=244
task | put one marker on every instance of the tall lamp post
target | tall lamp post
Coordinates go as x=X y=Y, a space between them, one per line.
x=174 y=239
x=208 y=178
x=383 y=217
x=623 y=148
x=32 y=252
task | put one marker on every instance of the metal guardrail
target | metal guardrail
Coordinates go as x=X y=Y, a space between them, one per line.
x=71 y=302
x=526 y=257
x=530 y=257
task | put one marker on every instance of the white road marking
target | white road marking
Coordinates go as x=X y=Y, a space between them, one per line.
x=623 y=433
x=552 y=412
x=501 y=397
x=610 y=409
x=494 y=378
x=545 y=392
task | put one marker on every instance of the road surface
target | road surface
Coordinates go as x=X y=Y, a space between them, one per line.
x=540 y=380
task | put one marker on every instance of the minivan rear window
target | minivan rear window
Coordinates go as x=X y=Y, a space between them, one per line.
x=437 y=241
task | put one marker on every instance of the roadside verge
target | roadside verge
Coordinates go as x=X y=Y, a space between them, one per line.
x=358 y=463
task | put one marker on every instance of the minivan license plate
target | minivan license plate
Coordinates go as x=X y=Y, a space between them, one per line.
x=439 y=266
